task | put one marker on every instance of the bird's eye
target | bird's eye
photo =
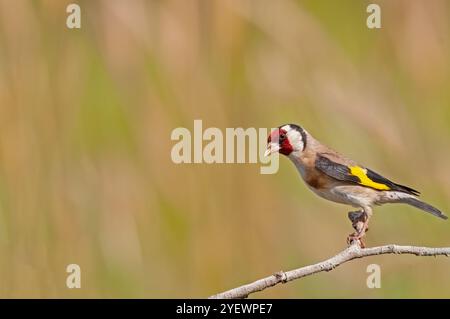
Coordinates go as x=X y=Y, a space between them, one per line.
x=282 y=136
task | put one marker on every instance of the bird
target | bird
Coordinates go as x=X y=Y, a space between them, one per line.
x=340 y=179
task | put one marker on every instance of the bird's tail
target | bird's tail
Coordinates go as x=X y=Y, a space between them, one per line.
x=398 y=197
x=424 y=206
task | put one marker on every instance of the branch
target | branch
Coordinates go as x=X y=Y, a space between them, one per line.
x=352 y=252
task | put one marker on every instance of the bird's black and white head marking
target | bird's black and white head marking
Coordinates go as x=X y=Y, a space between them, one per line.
x=297 y=136
x=287 y=139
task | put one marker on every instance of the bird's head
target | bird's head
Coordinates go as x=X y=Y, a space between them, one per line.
x=286 y=139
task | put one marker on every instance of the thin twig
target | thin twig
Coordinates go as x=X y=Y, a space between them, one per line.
x=352 y=252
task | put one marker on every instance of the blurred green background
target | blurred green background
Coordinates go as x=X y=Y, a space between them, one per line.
x=85 y=120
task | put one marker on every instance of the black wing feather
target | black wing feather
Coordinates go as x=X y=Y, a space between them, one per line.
x=335 y=170
x=393 y=186
x=342 y=172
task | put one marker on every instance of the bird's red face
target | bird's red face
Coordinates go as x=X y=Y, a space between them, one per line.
x=278 y=141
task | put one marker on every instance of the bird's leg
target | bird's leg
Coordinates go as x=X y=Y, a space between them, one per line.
x=357 y=219
x=365 y=227
x=360 y=222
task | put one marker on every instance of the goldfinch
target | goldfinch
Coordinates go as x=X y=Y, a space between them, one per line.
x=339 y=179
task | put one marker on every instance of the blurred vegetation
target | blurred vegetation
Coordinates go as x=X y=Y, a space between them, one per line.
x=85 y=123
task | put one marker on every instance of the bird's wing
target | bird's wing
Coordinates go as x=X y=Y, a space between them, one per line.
x=353 y=173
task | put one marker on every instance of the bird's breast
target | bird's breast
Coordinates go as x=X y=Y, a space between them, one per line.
x=312 y=177
x=318 y=182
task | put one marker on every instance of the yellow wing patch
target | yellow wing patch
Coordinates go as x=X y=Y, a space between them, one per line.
x=366 y=181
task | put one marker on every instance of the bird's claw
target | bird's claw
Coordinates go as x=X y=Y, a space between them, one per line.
x=355 y=237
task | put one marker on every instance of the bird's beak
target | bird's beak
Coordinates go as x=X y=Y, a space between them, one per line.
x=271 y=148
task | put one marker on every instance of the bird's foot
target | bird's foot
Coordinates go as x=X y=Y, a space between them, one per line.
x=360 y=225
x=356 y=237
